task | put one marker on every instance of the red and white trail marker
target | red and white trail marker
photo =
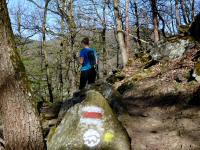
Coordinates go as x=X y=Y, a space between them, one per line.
x=92 y=115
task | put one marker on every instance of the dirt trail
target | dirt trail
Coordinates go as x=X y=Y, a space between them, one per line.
x=157 y=128
x=159 y=115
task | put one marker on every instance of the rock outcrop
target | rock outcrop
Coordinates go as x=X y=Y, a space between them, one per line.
x=89 y=125
x=169 y=50
x=112 y=96
x=78 y=97
x=49 y=115
x=195 y=28
x=163 y=100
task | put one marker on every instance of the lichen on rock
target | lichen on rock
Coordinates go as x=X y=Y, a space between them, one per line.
x=89 y=125
x=169 y=49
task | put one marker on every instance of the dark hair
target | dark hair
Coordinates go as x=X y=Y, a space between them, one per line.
x=85 y=41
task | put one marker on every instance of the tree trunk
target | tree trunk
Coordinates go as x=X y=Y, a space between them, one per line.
x=21 y=125
x=67 y=13
x=60 y=65
x=177 y=14
x=137 y=23
x=19 y=23
x=183 y=11
x=128 y=46
x=193 y=10
x=103 y=32
x=188 y=12
x=43 y=49
x=163 y=25
x=173 y=27
x=103 y=35
x=120 y=34
x=72 y=29
x=155 y=20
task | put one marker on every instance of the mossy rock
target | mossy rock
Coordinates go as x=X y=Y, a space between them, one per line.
x=125 y=86
x=194 y=30
x=145 y=57
x=115 y=77
x=112 y=95
x=197 y=68
x=145 y=73
x=171 y=48
x=89 y=125
x=50 y=110
x=196 y=73
x=78 y=97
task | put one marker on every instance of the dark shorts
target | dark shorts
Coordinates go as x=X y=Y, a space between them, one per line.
x=88 y=76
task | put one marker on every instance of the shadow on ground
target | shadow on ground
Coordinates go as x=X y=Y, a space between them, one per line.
x=163 y=118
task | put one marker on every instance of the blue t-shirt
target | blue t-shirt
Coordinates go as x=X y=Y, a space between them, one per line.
x=86 y=63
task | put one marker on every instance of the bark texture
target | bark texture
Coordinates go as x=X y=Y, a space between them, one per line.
x=120 y=34
x=21 y=125
x=183 y=11
x=103 y=36
x=137 y=22
x=128 y=45
x=193 y=10
x=155 y=20
x=177 y=14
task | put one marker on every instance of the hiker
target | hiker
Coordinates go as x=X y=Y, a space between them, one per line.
x=88 y=60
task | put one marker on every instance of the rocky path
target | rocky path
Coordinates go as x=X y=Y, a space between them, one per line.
x=157 y=128
x=162 y=106
x=162 y=112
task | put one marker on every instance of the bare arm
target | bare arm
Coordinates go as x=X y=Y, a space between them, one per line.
x=81 y=60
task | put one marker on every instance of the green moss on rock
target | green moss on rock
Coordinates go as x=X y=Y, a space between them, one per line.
x=70 y=133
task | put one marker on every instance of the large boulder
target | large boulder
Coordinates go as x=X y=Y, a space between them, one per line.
x=89 y=125
x=48 y=115
x=194 y=30
x=169 y=49
x=111 y=95
x=78 y=97
x=107 y=90
x=196 y=73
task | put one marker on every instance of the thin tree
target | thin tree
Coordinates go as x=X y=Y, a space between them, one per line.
x=102 y=19
x=61 y=52
x=66 y=10
x=155 y=20
x=177 y=13
x=22 y=129
x=127 y=40
x=44 y=50
x=135 y=6
x=103 y=35
x=183 y=11
x=193 y=10
x=188 y=8
x=120 y=34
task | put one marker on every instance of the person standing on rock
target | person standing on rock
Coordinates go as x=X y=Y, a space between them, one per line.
x=88 y=60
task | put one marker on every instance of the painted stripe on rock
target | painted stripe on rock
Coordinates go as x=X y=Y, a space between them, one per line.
x=94 y=115
x=89 y=121
x=92 y=109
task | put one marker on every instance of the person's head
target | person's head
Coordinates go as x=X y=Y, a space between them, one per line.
x=85 y=42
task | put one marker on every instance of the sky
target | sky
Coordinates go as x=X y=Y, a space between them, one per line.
x=28 y=9
x=32 y=18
